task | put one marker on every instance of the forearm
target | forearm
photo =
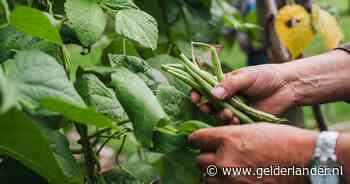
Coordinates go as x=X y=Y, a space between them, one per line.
x=320 y=79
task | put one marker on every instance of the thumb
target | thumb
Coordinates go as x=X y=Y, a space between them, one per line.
x=235 y=81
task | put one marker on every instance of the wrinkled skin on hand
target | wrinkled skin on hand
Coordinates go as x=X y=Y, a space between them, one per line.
x=265 y=86
x=254 y=145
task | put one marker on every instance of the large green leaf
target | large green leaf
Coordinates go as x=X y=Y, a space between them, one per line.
x=140 y=104
x=22 y=139
x=98 y=96
x=7 y=98
x=133 y=63
x=176 y=104
x=77 y=113
x=119 y=45
x=33 y=22
x=179 y=167
x=35 y=76
x=12 y=41
x=60 y=146
x=138 y=26
x=87 y=19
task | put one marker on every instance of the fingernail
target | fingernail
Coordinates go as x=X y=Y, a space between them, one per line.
x=219 y=92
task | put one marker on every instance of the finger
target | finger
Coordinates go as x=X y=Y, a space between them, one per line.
x=234 y=121
x=226 y=115
x=205 y=108
x=205 y=159
x=234 y=82
x=195 y=97
x=206 y=139
x=275 y=104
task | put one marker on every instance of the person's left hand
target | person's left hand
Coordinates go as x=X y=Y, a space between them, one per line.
x=253 y=146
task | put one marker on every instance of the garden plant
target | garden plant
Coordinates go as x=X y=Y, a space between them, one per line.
x=118 y=73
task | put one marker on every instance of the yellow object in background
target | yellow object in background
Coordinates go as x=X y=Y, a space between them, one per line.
x=293 y=25
x=328 y=26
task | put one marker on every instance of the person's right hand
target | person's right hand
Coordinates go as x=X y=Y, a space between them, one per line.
x=266 y=88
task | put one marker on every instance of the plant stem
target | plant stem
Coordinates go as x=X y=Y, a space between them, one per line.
x=66 y=60
x=99 y=132
x=105 y=142
x=89 y=156
x=124 y=46
x=120 y=150
x=113 y=136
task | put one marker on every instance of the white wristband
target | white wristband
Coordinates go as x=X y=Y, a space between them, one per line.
x=325 y=146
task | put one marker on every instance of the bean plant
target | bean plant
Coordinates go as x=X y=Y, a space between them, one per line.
x=94 y=67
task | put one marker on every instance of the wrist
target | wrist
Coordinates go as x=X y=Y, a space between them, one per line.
x=306 y=145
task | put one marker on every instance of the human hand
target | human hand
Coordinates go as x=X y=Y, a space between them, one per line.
x=265 y=86
x=253 y=146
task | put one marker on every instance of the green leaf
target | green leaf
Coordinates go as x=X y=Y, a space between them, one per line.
x=60 y=146
x=33 y=22
x=120 y=44
x=157 y=76
x=174 y=102
x=158 y=61
x=119 y=4
x=7 y=97
x=191 y=126
x=138 y=26
x=143 y=168
x=77 y=113
x=36 y=76
x=12 y=41
x=100 y=97
x=133 y=63
x=103 y=72
x=22 y=140
x=87 y=19
x=140 y=104
x=121 y=175
x=179 y=167
x=167 y=139
x=4 y=13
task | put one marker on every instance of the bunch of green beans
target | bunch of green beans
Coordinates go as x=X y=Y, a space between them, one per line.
x=203 y=82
